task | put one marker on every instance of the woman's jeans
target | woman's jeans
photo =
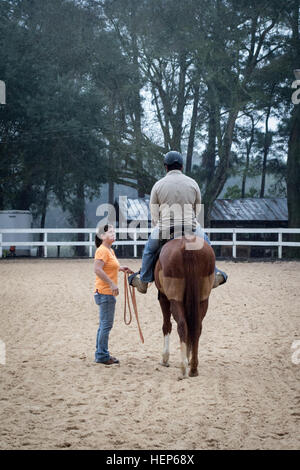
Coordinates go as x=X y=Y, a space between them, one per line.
x=107 y=304
x=151 y=247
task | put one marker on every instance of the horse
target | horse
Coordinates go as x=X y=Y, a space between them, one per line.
x=184 y=276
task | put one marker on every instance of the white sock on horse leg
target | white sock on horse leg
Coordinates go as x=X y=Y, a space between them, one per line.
x=184 y=359
x=166 y=350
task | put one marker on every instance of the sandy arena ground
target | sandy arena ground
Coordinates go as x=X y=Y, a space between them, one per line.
x=52 y=395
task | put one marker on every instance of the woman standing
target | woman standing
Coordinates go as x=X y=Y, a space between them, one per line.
x=106 y=289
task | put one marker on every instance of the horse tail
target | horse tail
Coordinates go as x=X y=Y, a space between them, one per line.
x=198 y=265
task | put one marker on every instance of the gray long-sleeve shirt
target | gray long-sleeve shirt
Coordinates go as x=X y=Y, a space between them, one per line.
x=175 y=200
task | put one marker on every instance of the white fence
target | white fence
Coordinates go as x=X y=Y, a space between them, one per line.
x=132 y=238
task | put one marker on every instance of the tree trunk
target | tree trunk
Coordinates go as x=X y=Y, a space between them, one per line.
x=24 y=198
x=217 y=182
x=293 y=163
x=267 y=144
x=43 y=217
x=248 y=148
x=293 y=170
x=245 y=172
x=293 y=179
x=177 y=119
x=111 y=186
x=80 y=217
x=173 y=120
x=209 y=156
x=137 y=120
x=189 y=157
x=1 y=199
x=111 y=192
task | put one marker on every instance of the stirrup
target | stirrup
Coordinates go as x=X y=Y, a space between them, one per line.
x=224 y=276
x=132 y=276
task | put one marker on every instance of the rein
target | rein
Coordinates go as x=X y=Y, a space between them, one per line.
x=131 y=289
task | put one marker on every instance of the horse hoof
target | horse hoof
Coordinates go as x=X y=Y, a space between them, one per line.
x=182 y=377
x=193 y=373
x=165 y=364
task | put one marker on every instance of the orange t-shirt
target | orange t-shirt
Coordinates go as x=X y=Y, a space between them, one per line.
x=110 y=267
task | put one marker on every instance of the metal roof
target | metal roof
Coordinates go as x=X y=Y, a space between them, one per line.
x=12 y=212
x=250 y=209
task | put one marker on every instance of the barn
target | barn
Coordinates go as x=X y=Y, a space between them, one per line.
x=226 y=213
x=249 y=213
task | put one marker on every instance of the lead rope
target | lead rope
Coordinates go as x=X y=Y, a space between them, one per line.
x=127 y=302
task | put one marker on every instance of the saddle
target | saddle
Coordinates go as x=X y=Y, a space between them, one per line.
x=174 y=231
x=163 y=239
x=178 y=231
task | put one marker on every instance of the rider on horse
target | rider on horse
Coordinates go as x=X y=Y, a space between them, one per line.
x=180 y=194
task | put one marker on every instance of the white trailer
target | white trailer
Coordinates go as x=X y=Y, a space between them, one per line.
x=16 y=219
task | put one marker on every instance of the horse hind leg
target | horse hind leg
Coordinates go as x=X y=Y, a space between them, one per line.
x=194 y=347
x=167 y=328
x=166 y=351
x=194 y=360
x=189 y=352
x=184 y=360
x=178 y=314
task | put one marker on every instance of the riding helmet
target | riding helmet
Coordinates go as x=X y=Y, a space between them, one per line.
x=173 y=157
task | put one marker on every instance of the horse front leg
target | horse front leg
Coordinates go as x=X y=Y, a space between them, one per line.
x=167 y=328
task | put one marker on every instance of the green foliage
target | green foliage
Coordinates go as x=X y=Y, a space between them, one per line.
x=235 y=192
x=52 y=122
x=81 y=75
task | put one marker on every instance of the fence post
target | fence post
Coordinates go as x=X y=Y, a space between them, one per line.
x=233 y=244
x=1 y=254
x=91 y=248
x=280 y=245
x=45 y=246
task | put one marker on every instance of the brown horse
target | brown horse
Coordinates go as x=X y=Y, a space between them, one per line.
x=184 y=276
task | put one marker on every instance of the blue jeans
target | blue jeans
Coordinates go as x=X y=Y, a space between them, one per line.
x=107 y=304
x=151 y=247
